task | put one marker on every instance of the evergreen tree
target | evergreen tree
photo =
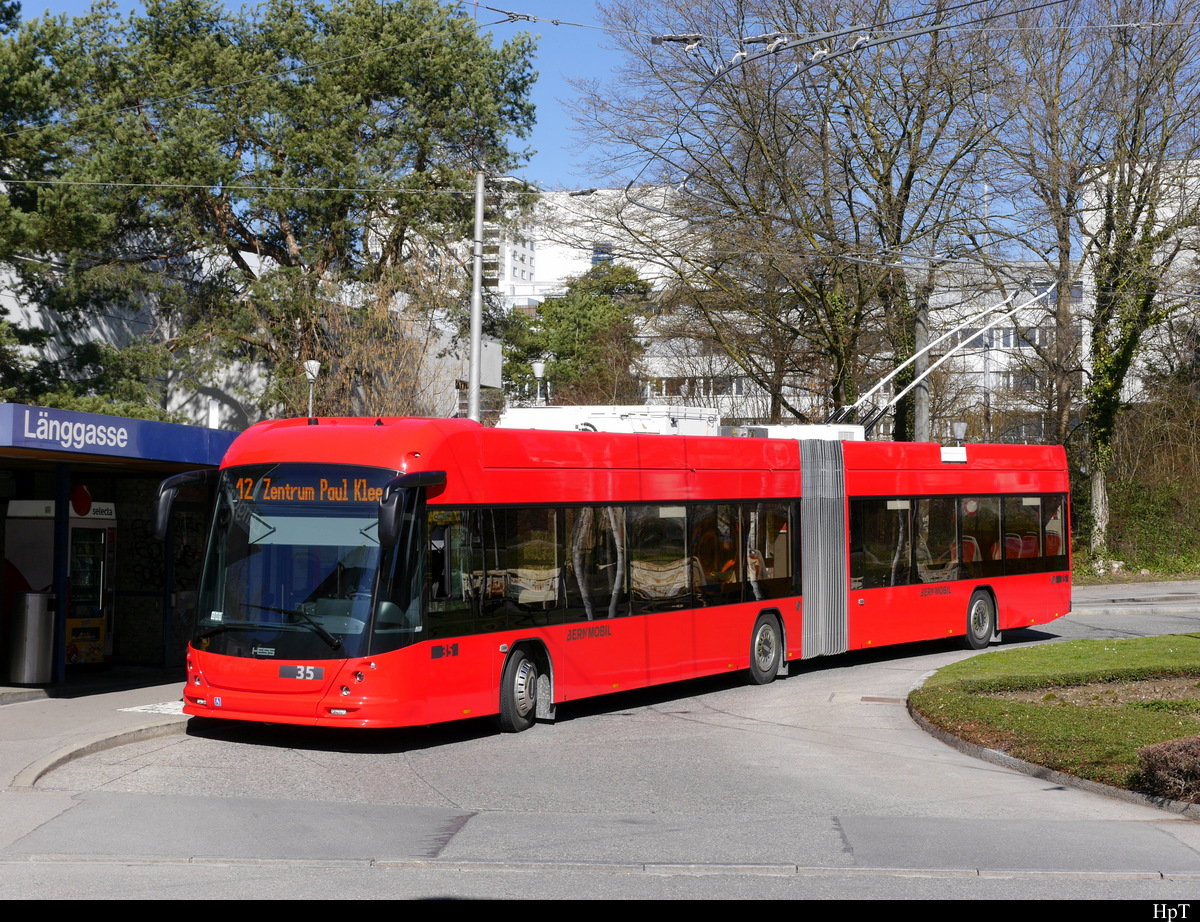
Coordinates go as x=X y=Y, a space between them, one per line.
x=587 y=338
x=232 y=179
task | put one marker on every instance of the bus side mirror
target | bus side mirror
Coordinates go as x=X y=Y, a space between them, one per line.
x=169 y=489
x=391 y=507
x=390 y=510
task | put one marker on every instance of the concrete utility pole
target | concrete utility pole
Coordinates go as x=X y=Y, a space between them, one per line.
x=473 y=374
x=921 y=431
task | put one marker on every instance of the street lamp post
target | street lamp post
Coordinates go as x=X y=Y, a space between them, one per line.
x=539 y=369
x=312 y=368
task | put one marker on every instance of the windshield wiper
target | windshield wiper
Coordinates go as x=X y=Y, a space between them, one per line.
x=334 y=642
x=231 y=626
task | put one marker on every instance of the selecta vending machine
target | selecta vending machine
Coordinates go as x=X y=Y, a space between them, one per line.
x=29 y=548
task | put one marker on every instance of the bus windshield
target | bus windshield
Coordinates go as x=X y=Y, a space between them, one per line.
x=293 y=568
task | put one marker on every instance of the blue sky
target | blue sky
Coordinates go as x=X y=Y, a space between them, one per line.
x=564 y=52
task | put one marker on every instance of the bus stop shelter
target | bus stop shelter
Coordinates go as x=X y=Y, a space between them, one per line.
x=77 y=497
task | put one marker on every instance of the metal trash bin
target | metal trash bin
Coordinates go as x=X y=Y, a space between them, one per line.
x=31 y=639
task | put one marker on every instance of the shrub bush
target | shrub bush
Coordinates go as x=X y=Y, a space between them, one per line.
x=1170 y=769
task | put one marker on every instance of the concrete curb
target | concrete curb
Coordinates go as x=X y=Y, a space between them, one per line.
x=1107 y=608
x=29 y=776
x=21 y=695
x=995 y=757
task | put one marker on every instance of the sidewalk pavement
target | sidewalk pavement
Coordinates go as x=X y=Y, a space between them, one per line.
x=41 y=728
x=1179 y=598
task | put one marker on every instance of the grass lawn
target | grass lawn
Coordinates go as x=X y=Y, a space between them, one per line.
x=1084 y=707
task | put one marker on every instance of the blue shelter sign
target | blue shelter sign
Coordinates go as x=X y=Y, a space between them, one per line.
x=67 y=432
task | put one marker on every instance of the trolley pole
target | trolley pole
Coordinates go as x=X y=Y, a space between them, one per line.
x=476 y=305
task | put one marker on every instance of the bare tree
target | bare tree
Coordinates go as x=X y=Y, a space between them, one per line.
x=380 y=345
x=801 y=190
x=1098 y=151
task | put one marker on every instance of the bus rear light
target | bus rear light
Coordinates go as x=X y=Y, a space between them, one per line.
x=345 y=690
x=202 y=702
x=195 y=680
x=358 y=677
x=338 y=712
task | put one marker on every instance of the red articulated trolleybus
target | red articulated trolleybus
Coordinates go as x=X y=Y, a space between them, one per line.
x=399 y=572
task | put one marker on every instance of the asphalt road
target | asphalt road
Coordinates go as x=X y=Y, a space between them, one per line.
x=818 y=785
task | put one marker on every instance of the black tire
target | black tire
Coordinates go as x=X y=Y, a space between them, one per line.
x=981 y=621
x=518 y=693
x=766 y=648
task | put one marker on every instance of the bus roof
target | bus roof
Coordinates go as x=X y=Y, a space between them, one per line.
x=488 y=465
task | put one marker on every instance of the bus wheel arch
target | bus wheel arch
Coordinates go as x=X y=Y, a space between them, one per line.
x=766 y=648
x=982 y=618
x=526 y=687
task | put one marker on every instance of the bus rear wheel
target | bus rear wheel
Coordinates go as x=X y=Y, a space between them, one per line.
x=518 y=693
x=765 y=650
x=981 y=621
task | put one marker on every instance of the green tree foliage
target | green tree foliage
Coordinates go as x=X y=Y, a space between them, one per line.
x=10 y=15
x=612 y=281
x=30 y=87
x=240 y=176
x=1155 y=462
x=587 y=338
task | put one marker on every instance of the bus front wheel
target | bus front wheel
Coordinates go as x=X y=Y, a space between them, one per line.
x=981 y=621
x=518 y=693
x=765 y=649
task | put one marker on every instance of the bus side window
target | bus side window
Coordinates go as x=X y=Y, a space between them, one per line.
x=534 y=576
x=769 y=554
x=659 y=567
x=939 y=555
x=1024 y=535
x=887 y=550
x=398 y=611
x=1054 y=514
x=718 y=557
x=489 y=569
x=595 y=562
x=858 y=559
x=448 y=573
x=882 y=553
x=983 y=542
x=797 y=550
